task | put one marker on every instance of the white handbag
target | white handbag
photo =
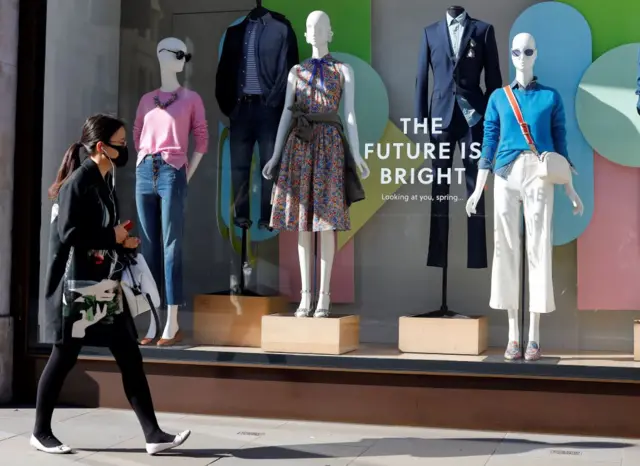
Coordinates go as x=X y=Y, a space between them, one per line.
x=553 y=167
x=139 y=288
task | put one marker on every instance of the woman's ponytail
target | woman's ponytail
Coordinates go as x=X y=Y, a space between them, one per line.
x=70 y=162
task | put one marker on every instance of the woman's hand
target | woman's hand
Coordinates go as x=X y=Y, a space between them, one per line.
x=131 y=242
x=121 y=233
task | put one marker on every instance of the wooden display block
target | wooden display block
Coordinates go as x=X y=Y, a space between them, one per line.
x=420 y=334
x=636 y=340
x=224 y=320
x=337 y=334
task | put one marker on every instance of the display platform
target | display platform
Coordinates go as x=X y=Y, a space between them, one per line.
x=422 y=334
x=636 y=340
x=231 y=320
x=334 y=335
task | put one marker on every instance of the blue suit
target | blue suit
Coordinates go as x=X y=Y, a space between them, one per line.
x=456 y=91
x=478 y=52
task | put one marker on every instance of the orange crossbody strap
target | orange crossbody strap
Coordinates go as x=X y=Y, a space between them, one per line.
x=523 y=126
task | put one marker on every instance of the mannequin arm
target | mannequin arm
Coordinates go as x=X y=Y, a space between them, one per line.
x=137 y=126
x=558 y=129
x=285 y=123
x=491 y=135
x=422 y=79
x=350 y=113
x=481 y=181
x=200 y=131
x=576 y=202
x=193 y=165
x=492 y=74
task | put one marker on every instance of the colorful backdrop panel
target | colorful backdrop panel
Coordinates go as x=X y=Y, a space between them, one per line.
x=607 y=251
x=563 y=39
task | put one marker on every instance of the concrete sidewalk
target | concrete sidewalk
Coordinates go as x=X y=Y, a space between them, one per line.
x=108 y=437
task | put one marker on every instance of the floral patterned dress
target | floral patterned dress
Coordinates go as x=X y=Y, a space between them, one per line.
x=309 y=192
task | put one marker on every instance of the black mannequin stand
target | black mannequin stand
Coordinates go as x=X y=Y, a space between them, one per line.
x=444 y=310
x=245 y=267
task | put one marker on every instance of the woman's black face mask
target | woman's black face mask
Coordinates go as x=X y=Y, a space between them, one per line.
x=123 y=155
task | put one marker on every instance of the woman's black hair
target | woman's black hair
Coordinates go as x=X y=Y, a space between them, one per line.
x=97 y=128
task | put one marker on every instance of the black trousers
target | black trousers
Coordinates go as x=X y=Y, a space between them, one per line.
x=458 y=134
x=251 y=122
x=126 y=352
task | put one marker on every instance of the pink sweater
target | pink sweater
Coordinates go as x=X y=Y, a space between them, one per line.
x=167 y=131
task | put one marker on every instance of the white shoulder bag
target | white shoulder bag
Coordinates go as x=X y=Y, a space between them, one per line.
x=140 y=289
x=553 y=167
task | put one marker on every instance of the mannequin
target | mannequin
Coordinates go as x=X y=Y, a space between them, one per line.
x=256 y=57
x=164 y=120
x=506 y=152
x=315 y=79
x=457 y=53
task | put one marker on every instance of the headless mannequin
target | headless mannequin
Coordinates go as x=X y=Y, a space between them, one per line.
x=169 y=69
x=455 y=11
x=318 y=34
x=524 y=76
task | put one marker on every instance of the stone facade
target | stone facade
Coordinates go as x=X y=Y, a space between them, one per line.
x=8 y=83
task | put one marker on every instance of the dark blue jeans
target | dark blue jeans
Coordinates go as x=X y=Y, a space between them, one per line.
x=251 y=122
x=161 y=193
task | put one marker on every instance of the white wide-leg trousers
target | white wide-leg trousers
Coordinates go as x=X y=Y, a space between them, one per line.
x=522 y=187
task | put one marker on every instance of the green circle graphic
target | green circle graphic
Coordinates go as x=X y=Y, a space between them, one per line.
x=606 y=106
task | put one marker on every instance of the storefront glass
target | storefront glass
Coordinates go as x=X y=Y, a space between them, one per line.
x=409 y=248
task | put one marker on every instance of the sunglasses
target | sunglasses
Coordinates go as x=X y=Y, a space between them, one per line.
x=527 y=52
x=179 y=54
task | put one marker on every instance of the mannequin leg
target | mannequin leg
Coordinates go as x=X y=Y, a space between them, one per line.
x=514 y=328
x=534 y=327
x=172 y=187
x=305 y=244
x=505 y=285
x=149 y=213
x=327 y=254
x=538 y=215
x=151 y=332
x=513 y=350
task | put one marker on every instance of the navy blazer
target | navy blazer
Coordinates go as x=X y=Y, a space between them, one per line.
x=276 y=53
x=478 y=52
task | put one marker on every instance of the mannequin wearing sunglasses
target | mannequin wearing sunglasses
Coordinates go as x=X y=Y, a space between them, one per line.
x=505 y=152
x=164 y=120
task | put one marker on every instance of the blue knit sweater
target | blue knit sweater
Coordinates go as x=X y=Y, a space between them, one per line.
x=542 y=110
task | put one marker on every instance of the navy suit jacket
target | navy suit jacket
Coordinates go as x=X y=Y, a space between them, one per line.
x=478 y=52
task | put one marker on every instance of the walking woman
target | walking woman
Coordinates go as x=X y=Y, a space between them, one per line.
x=83 y=299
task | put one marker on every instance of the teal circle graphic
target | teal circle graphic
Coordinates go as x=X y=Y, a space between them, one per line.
x=606 y=106
x=372 y=100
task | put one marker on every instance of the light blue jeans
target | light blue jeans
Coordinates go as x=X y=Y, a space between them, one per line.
x=161 y=193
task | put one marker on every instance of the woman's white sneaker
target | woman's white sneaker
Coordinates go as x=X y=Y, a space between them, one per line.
x=155 y=448
x=54 y=450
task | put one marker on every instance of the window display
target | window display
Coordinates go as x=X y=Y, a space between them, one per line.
x=315 y=136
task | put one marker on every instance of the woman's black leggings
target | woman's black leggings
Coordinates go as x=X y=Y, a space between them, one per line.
x=127 y=355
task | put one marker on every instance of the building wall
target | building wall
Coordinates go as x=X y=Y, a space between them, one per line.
x=8 y=83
